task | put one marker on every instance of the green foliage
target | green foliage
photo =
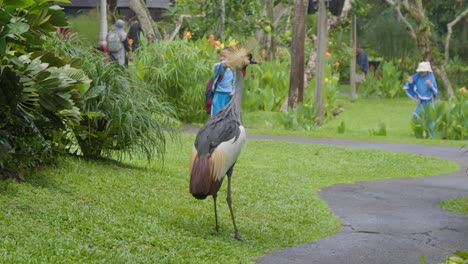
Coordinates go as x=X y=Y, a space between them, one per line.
x=341 y=128
x=301 y=118
x=447 y=120
x=119 y=115
x=380 y=131
x=461 y=257
x=242 y=17
x=451 y=118
x=40 y=93
x=87 y=26
x=388 y=85
x=455 y=205
x=457 y=70
x=382 y=31
x=176 y=72
x=266 y=86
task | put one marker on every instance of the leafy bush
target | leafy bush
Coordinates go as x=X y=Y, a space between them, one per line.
x=266 y=86
x=40 y=92
x=447 y=119
x=389 y=84
x=451 y=118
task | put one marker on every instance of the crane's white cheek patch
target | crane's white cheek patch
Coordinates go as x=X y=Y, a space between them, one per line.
x=226 y=154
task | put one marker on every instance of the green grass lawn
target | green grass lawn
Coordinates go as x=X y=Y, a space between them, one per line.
x=456 y=205
x=359 y=118
x=107 y=212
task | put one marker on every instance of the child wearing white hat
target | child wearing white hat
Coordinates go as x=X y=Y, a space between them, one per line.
x=422 y=87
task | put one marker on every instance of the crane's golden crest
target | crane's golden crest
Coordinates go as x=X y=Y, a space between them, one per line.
x=238 y=57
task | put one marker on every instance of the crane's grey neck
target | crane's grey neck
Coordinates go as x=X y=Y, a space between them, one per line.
x=237 y=100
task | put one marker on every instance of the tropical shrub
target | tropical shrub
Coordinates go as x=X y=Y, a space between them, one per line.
x=447 y=120
x=40 y=93
x=120 y=116
x=266 y=86
x=388 y=85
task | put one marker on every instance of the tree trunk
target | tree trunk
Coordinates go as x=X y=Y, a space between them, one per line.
x=269 y=38
x=333 y=22
x=352 y=64
x=112 y=4
x=150 y=31
x=223 y=18
x=321 y=63
x=179 y=24
x=447 y=45
x=296 y=79
x=102 y=45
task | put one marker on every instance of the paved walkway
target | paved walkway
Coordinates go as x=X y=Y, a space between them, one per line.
x=387 y=221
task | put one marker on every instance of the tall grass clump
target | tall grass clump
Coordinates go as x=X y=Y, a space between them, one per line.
x=118 y=116
x=177 y=72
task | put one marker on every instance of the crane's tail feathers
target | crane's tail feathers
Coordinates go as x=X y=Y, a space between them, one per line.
x=206 y=173
x=200 y=180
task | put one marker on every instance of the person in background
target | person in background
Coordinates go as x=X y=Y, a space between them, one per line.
x=117 y=43
x=225 y=86
x=362 y=63
x=134 y=35
x=422 y=87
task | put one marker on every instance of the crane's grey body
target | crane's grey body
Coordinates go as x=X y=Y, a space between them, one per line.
x=216 y=149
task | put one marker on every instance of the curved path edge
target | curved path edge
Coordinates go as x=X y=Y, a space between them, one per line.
x=387 y=221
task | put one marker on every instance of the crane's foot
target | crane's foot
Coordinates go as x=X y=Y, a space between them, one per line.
x=237 y=237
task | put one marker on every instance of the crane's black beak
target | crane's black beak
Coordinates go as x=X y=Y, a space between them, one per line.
x=251 y=59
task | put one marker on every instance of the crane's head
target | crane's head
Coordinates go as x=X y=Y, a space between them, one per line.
x=239 y=58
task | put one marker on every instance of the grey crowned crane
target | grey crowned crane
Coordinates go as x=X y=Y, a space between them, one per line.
x=219 y=143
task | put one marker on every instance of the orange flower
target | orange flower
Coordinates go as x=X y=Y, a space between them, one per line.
x=327 y=54
x=281 y=53
x=337 y=64
x=327 y=49
x=463 y=89
x=130 y=41
x=217 y=43
x=211 y=36
x=188 y=35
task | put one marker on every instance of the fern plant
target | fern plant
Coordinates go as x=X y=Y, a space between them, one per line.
x=40 y=93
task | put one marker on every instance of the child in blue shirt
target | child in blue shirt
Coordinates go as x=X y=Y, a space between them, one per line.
x=422 y=87
x=225 y=88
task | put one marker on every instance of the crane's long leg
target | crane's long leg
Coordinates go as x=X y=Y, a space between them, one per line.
x=229 y=202
x=216 y=213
